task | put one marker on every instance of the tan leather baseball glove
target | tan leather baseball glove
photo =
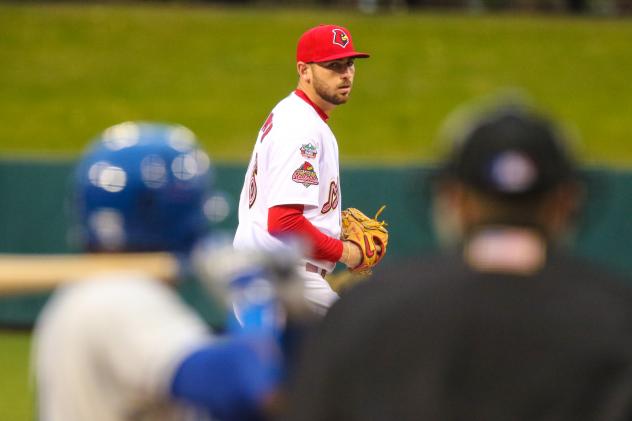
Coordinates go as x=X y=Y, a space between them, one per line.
x=367 y=233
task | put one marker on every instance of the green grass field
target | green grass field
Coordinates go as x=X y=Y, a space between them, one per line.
x=16 y=393
x=68 y=71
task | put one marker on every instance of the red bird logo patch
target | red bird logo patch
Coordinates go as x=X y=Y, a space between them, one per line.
x=340 y=37
x=305 y=175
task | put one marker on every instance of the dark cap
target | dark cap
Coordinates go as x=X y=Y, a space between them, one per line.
x=511 y=152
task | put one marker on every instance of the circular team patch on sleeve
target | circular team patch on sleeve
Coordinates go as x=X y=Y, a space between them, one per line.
x=308 y=151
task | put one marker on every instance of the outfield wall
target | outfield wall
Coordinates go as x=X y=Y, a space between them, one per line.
x=33 y=217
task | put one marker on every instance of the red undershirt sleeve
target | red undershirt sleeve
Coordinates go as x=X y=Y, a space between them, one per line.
x=289 y=219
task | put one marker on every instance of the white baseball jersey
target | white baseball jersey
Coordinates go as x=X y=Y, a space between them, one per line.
x=106 y=350
x=295 y=161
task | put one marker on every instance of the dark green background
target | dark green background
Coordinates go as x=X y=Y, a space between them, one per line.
x=33 y=217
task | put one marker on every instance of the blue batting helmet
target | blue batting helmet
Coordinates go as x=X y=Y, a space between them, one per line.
x=142 y=187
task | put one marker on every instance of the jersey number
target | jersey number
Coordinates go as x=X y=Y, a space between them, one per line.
x=252 y=189
x=267 y=126
x=332 y=201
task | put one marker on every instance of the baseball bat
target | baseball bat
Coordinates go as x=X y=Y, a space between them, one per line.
x=25 y=273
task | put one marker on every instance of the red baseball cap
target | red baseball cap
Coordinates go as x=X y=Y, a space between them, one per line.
x=326 y=43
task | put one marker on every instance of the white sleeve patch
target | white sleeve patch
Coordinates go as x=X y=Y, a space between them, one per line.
x=292 y=170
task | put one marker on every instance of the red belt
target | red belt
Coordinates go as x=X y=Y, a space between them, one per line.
x=315 y=269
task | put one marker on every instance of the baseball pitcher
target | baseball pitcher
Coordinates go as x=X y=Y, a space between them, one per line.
x=292 y=185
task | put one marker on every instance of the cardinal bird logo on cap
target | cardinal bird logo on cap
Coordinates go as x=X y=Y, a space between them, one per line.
x=340 y=37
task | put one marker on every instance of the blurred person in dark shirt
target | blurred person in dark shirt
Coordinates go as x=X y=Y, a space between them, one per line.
x=506 y=326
